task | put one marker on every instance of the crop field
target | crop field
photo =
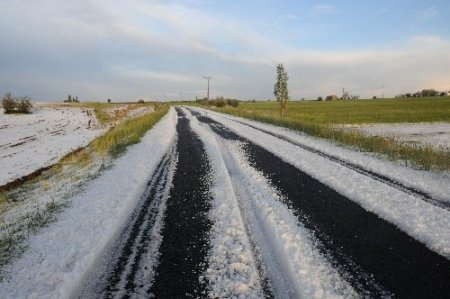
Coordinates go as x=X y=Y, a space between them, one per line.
x=354 y=111
x=325 y=119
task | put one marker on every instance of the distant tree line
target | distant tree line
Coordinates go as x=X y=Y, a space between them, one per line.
x=424 y=93
x=345 y=96
x=218 y=102
x=71 y=99
x=13 y=104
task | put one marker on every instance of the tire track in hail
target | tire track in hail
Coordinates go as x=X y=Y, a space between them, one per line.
x=162 y=251
x=376 y=257
x=184 y=248
x=359 y=169
x=135 y=247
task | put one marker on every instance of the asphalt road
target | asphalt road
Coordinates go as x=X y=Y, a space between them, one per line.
x=163 y=250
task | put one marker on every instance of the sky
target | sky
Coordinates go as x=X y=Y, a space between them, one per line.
x=163 y=50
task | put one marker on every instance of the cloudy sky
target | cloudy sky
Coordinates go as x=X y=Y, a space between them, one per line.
x=132 y=49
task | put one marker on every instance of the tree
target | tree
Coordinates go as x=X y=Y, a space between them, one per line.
x=429 y=93
x=280 y=89
x=13 y=104
x=9 y=103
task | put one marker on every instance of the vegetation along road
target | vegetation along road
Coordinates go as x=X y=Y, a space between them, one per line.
x=240 y=208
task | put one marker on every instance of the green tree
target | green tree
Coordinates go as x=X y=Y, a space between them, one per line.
x=280 y=89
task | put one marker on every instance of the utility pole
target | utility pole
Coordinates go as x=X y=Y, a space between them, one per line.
x=207 y=78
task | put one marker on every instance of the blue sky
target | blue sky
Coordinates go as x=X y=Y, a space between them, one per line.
x=156 y=50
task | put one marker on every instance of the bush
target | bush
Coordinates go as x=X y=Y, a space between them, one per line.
x=16 y=105
x=220 y=102
x=9 y=103
x=233 y=103
x=24 y=105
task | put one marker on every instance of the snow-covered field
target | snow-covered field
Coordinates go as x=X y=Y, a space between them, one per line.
x=434 y=134
x=32 y=141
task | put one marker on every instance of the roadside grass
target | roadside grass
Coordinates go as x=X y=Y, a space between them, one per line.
x=129 y=132
x=32 y=207
x=325 y=119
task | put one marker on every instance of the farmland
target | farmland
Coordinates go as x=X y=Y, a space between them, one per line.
x=412 y=110
x=324 y=119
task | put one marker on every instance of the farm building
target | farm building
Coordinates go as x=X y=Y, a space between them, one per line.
x=331 y=98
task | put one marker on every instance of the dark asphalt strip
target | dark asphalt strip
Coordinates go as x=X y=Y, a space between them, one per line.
x=184 y=248
x=137 y=237
x=376 y=176
x=375 y=256
x=116 y=272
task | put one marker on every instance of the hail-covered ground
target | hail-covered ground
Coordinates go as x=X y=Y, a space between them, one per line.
x=209 y=205
x=33 y=141
x=432 y=134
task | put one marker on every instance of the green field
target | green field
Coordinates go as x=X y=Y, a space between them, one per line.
x=355 y=111
x=324 y=120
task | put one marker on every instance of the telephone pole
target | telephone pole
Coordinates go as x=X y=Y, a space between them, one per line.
x=207 y=78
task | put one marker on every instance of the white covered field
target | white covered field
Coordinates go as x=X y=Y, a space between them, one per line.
x=30 y=142
x=433 y=134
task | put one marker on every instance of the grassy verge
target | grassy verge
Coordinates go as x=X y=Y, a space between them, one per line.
x=127 y=133
x=321 y=119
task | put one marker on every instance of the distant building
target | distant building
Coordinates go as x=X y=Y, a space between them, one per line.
x=331 y=98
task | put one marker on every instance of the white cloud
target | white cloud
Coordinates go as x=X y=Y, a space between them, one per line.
x=323 y=9
x=409 y=65
x=99 y=49
x=428 y=14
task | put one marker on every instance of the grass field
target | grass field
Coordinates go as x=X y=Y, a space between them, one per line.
x=322 y=119
x=359 y=111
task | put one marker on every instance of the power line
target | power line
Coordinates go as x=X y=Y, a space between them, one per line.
x=207 y=78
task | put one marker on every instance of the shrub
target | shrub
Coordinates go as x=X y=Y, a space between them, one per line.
x=9 y=103
x=24 y=105
x=233 y=103
x=220 y=102
x=16 y=105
